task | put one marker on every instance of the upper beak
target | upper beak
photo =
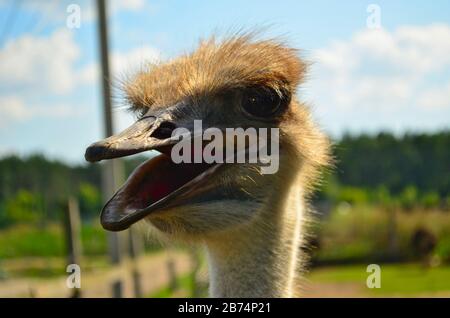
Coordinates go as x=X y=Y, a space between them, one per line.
x=147 y=133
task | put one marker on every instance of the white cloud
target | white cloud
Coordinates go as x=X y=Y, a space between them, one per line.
x=14 y=109
x=380 y=73
x=409 y=48
x=30 y=63
x=435 y=98
x=122 y=64
x=131 y=5
x=40 y=63
x=32 y=68
x=51 y=13
x=134 y=59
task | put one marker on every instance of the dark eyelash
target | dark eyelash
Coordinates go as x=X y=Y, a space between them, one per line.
x=141 y=112
x=137 y=110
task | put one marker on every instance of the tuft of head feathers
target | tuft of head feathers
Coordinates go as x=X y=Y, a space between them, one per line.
x=236 y=62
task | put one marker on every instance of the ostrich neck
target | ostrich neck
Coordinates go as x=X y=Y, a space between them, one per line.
x=260 y=259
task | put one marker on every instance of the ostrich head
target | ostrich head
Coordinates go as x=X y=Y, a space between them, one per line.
x=239 y=82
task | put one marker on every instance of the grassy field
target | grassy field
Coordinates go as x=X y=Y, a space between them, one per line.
x=367 y=234
x=24 y=241
x=40 y=252
x=184 y=288
x=397 y=280
x=49 y=241
x=407 y=280
x=350 y=235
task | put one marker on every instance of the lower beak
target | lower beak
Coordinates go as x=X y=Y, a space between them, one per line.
x=146 y=134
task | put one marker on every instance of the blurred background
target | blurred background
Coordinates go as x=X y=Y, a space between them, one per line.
x=379 y=85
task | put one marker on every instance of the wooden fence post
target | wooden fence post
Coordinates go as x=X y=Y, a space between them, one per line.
x=72 y=230
x=195 y=263
x=115 y=242
x=173 y=282
x=112 y=170
x=135 y=249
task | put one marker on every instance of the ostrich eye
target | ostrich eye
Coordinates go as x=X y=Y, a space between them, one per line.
x=262 y=103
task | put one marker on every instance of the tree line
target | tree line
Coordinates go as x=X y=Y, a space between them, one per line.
x=411 y=169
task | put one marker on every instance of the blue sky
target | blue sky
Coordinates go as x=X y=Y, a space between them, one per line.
x=395 y=77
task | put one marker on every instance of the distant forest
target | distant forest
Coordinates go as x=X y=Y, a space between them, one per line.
x=422 y=161
x=412 y=169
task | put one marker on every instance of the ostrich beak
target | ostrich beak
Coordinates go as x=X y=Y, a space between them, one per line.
x=155 y=184
x=147 y=133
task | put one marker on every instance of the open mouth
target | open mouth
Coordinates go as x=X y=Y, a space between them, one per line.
x=159 y=183
x=150 y=187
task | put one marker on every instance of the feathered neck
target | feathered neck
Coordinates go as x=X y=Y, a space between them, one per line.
x=262 y=258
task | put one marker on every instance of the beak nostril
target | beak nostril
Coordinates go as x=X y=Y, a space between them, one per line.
x=164 y=130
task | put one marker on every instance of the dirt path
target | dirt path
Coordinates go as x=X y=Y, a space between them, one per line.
x=154 y=273
x=153 y=270
x=354 y=290
x=333 y=290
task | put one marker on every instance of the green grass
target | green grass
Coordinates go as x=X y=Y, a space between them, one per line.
x=183 y=283
x=184 y=289
x=31 y=241
x=22 y=241
x=47 y=267
x=407 y=279
x=26 y=241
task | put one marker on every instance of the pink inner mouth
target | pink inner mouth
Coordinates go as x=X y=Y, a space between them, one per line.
x=159 y=177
